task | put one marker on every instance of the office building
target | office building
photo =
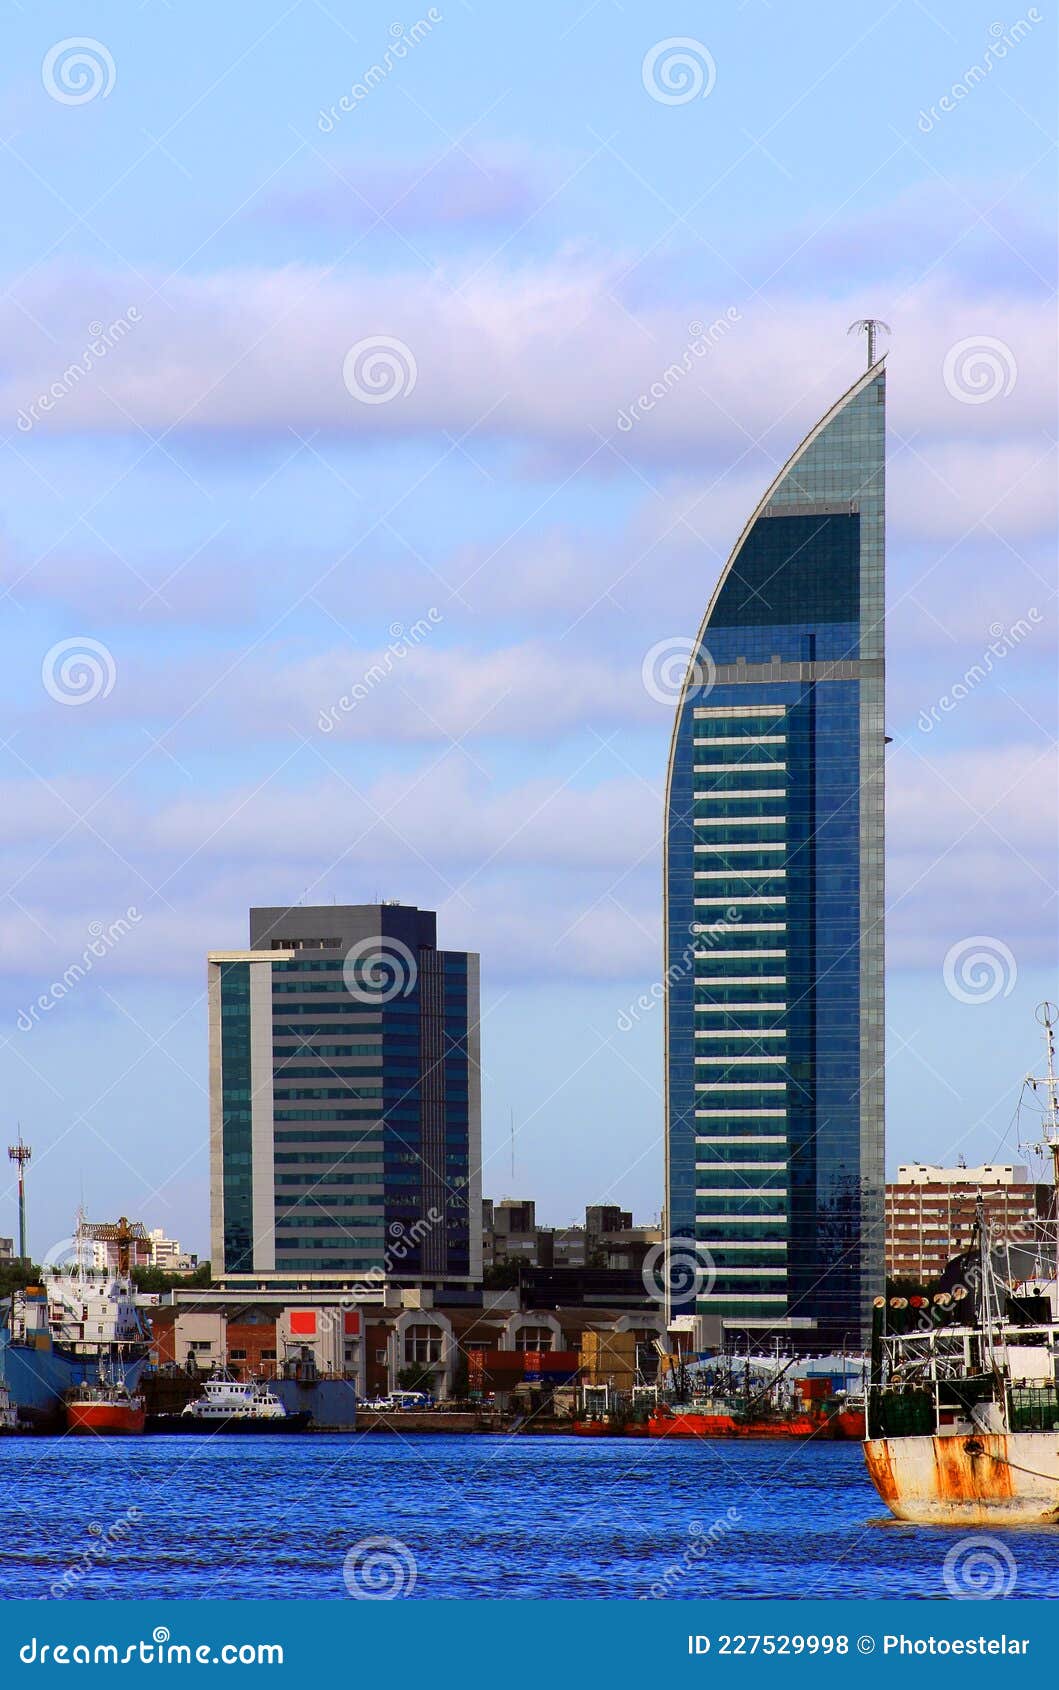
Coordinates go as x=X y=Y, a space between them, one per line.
x=774 y=902
x=345 y=1103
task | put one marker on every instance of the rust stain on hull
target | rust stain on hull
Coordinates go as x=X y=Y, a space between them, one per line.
x=993 y=1478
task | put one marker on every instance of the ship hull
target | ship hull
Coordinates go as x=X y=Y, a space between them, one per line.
x=39 y=1380
x=728 y=1426
x=990 y=1479
x=235 y=1426
x=105 y=1419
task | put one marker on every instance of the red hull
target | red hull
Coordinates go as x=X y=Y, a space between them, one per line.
x=105 y=1418
x=851 y=1423
x=724 y=1426
x=594 y=1429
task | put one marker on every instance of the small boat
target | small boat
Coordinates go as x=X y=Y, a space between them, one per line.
x=230 y=1405
x=105 y=1409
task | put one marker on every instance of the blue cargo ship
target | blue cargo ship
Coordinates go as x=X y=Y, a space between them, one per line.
x=69 y=1332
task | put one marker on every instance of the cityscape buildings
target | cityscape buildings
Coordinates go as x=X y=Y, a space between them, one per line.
x=930 y=1213
x=774 y=903
x=345 y=1102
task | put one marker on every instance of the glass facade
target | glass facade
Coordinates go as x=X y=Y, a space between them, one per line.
x=346 y=1059
x=774 y=900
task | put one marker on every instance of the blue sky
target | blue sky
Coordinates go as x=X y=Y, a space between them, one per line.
x=217 y=498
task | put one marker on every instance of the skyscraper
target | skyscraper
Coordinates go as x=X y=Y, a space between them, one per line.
x=345 y=1101
x=774 y=901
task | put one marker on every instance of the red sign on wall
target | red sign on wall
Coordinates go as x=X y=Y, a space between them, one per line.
x=352 y=1324
x=303 y=1322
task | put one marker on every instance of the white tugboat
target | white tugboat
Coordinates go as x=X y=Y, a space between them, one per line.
x=231 y=1405
x=963 y=1405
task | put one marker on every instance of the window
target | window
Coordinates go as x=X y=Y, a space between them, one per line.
x=422 y=1343
x=534 y=1338
x=236 y=1355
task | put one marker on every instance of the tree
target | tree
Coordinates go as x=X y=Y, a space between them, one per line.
x=417 y=1376
x=153 y=1279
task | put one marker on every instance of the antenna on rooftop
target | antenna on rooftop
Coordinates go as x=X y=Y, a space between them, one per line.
x=869 y=326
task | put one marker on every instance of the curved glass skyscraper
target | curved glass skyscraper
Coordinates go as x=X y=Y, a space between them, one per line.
x=774 y=902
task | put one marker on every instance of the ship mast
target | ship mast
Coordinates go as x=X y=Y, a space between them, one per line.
x=1048 y=1017
x=1048 y=1084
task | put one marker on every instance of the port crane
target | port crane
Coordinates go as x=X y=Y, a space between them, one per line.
x=122 y=1232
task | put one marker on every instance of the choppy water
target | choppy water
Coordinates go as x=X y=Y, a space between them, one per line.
x=473 y=1517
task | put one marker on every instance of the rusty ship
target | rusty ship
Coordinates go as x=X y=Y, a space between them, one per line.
x=963 y=1399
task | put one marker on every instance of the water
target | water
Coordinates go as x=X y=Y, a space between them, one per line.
x=471 y=1517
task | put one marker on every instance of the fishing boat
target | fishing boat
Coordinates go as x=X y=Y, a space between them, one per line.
x=754 y=1397
x=106 y=1409
x=229 y=1405
x=963 y=1401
